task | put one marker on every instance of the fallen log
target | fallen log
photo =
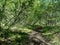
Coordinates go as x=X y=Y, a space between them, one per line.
x=37 y=38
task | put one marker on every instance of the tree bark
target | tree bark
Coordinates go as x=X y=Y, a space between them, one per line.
x=36 y=38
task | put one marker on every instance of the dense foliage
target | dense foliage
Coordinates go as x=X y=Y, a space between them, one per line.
x=19 y=17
